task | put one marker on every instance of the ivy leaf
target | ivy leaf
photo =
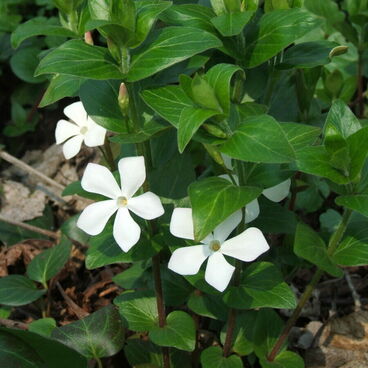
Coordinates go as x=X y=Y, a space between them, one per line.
x=68 y=58
x=310 y=246
x=16 y=290
x=98 y=335
x=213 y=200
x=355 y=202
x=49 y=262
x=213 y=357
x=179 y=332
x=275 y=31
x=261 y=286
x=174 y=44
x=259 y=139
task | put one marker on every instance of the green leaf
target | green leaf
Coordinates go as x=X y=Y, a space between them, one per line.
x=213 y=200
x=138 y=309
x=213 y=357
x=231 y=24
x=261 y=286
x=219 y=78
x=24 y=63
x=357 y=152
x=98 y=335
x=168 y=102
x=174 y=44
x=61 y=86
x=316 y=161
x=355 y=202
x=259 y=139
x=142 y=354
x=68 y=58
x=307 y=55
x=136 y=276
x=39 y=26
x=16 y=290
x=175 y=288
x=43 y=326
x=286 y=359
x=308 y=245
x=179 y=332
x=203 y=94
x=30 y=350
x=191 y=118
x=276 y=30
x=100 y=99
x=49 y=262
x=300 y=135
x=207 y=305
x=351 y=252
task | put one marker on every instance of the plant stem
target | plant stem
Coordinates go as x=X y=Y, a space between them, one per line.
x=360 y=97
x=332 y=245
x=98 y=361
x=108 y=155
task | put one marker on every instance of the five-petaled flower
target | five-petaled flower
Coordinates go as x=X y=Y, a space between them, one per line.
x=83 y=129
x=246 y=247
x=98 y=179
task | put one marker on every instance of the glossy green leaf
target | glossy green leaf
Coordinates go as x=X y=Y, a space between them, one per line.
x=16 y=290
x=351 y=252
x=174 y=44
x=100 y=334
x=168 y=102
x=142 y=354
x=310 y=246
x=43 y=326
x=316 y=161
x=307 y=55
x=208 y=305
x=213 y=200
x=100 y=99
x=276 y=30
x=179 y=332
x=231 y=24
x=259 y=139
x=358 y=152
x=286 y=359
x=300 y=135
x=49 y=262
x=213 y=357
x=176 y=289
x=24 y=349
x=191 y=118
x=67 y=59
x=61 y=85
x=261 y=286
x=355 y=202
x=39 y=26
x=219 y=78
x=138 y=309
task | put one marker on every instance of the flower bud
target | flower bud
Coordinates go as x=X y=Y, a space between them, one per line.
x=123 y=98
x=88 y=39
x=214 y=130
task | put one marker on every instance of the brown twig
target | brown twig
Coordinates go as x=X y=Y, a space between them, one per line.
x=9 y=323
x=79 y=312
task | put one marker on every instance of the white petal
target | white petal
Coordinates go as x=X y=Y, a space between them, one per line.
x=251 y=211
x=72 y=146
x=77 y=113
x=207 y=240
x=64 y=130
x=95 y=135
x=188 y=260
x=278 y=192
x=95 y=216
x=132 y=174
x=147 y=206
x=227 y=177
x=247 y=246
x=223 y=230
x=218 y=271
x=181 y=224
x=126 y=231
x=98 y=179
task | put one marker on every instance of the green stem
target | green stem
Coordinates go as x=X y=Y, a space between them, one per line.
x=332 y=245
x=98 y=361
x=109 y=157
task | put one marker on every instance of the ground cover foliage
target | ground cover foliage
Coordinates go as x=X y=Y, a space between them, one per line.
x=223 y=119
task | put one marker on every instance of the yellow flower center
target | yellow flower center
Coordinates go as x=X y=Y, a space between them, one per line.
x=122 y=201
x=215 y=245
x=83 y=130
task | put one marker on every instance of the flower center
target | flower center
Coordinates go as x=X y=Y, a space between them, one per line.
x=83 y=130
x=122 y=201
x=215 y=245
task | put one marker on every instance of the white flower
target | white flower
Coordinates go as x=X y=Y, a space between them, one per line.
x=98 y=179
x=246 y=247
x=82 y=129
